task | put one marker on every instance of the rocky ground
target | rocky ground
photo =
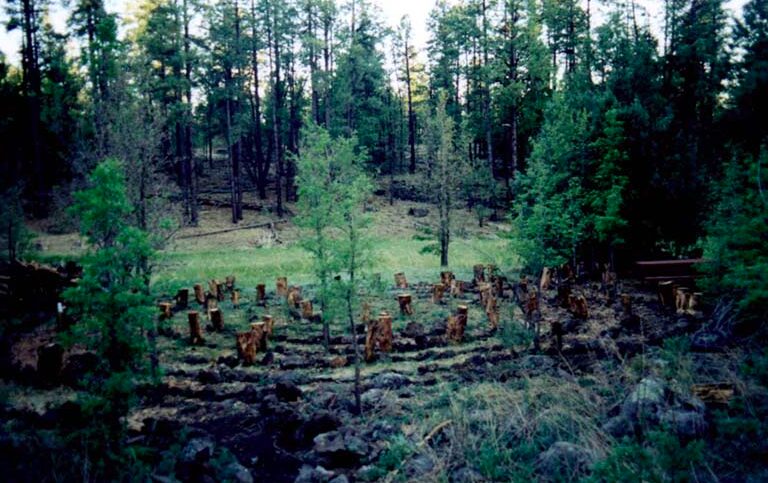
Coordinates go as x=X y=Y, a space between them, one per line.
x=432 y=410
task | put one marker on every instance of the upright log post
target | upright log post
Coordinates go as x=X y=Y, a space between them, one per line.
x=229 y=282
x=261 y=335
x=211 y=302
x=199 y=294
x=626 y=304
x=457 y=324
x=306 y=309
x=165 y=310
x=213 y=287
x=546 y=279
x=384 y=332
x=294 y=297
x=578 y=306
x=220 y=291
x=217 y=320
x=400 y=280
x=195 y=332
x=437 y=293
x=457 y=288
x=682 y=295
x=247 y=347
x=446 y=278
x=282 y=286
x=492 y=311
x=261 y=294
x=405 y=300
x=666 y=292
x=235 y=298
x=182 y=299
x=479 y=274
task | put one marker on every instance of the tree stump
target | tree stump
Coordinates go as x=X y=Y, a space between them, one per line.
x=491 y=271
x=365 y=315
x=682 y=297
x=282 y=286
x=261 y=294
x=370 y=341
x=294 y=297
x=457 y=288
x=694 y=301
x=546 y=279
x=195 y=332
x=213 y=287
x=211 y=302
x=437 y=293
x=479 y=274
x=498 y=285
x=521 y=290
x=558 y=332
x=446 y=278
x=492 y=311
x=165 y=310
x=406 y=308
x=217 y=319
x=50 y=361
x=626 y=304
x=666 y=292
x=457 y=324
x=578 y=306
x=182 y=299
x=199 y=294
x=484 y=292
x=229 y=283
x=269 y=323
x=306 y=309
x=531 y=304
x=220 y=291
x=236 y=298
x=400 y=280
x=384 y=332
x=260 y=332
x=247 y=347
x=564 y=295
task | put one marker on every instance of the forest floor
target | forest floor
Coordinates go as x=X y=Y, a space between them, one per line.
x=618 y=401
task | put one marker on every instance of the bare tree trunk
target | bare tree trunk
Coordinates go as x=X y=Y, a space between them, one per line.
x=411 y=116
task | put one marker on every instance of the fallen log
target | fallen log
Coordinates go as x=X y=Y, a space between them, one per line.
x=270 y=225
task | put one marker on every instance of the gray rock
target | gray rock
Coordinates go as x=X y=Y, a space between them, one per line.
x=419 y=466
x=563 y=458
x=390 y=380
x=618 y=427
x=372 y=397
x=238 y=473
x=466 y=474
x=418 y=212
x=646 y=401
x=318 y=474
x=340 y=448
x=198 y=450
x=340 y=479
x=684 y=423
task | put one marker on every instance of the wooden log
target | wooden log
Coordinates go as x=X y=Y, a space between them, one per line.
x=384 y=332
x=446 y=278
x=217 y=320
x=182 y=299
x=626 y=304
x=370 y=341
x=195 y=331
x=405 y=301
x=400 y=280
x=438 y=290
x=479 y=274
x=546 y=279
x=199 y=294
x=220 y=291
x=235 y=298
x=294 y=297
x=165 y=310
x=718 y=394
x=306 y=309
x=269 y=323
x=261 y=294
x=282 y=286
x=666 y=292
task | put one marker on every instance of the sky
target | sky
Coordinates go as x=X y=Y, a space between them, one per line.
x=393 y=11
